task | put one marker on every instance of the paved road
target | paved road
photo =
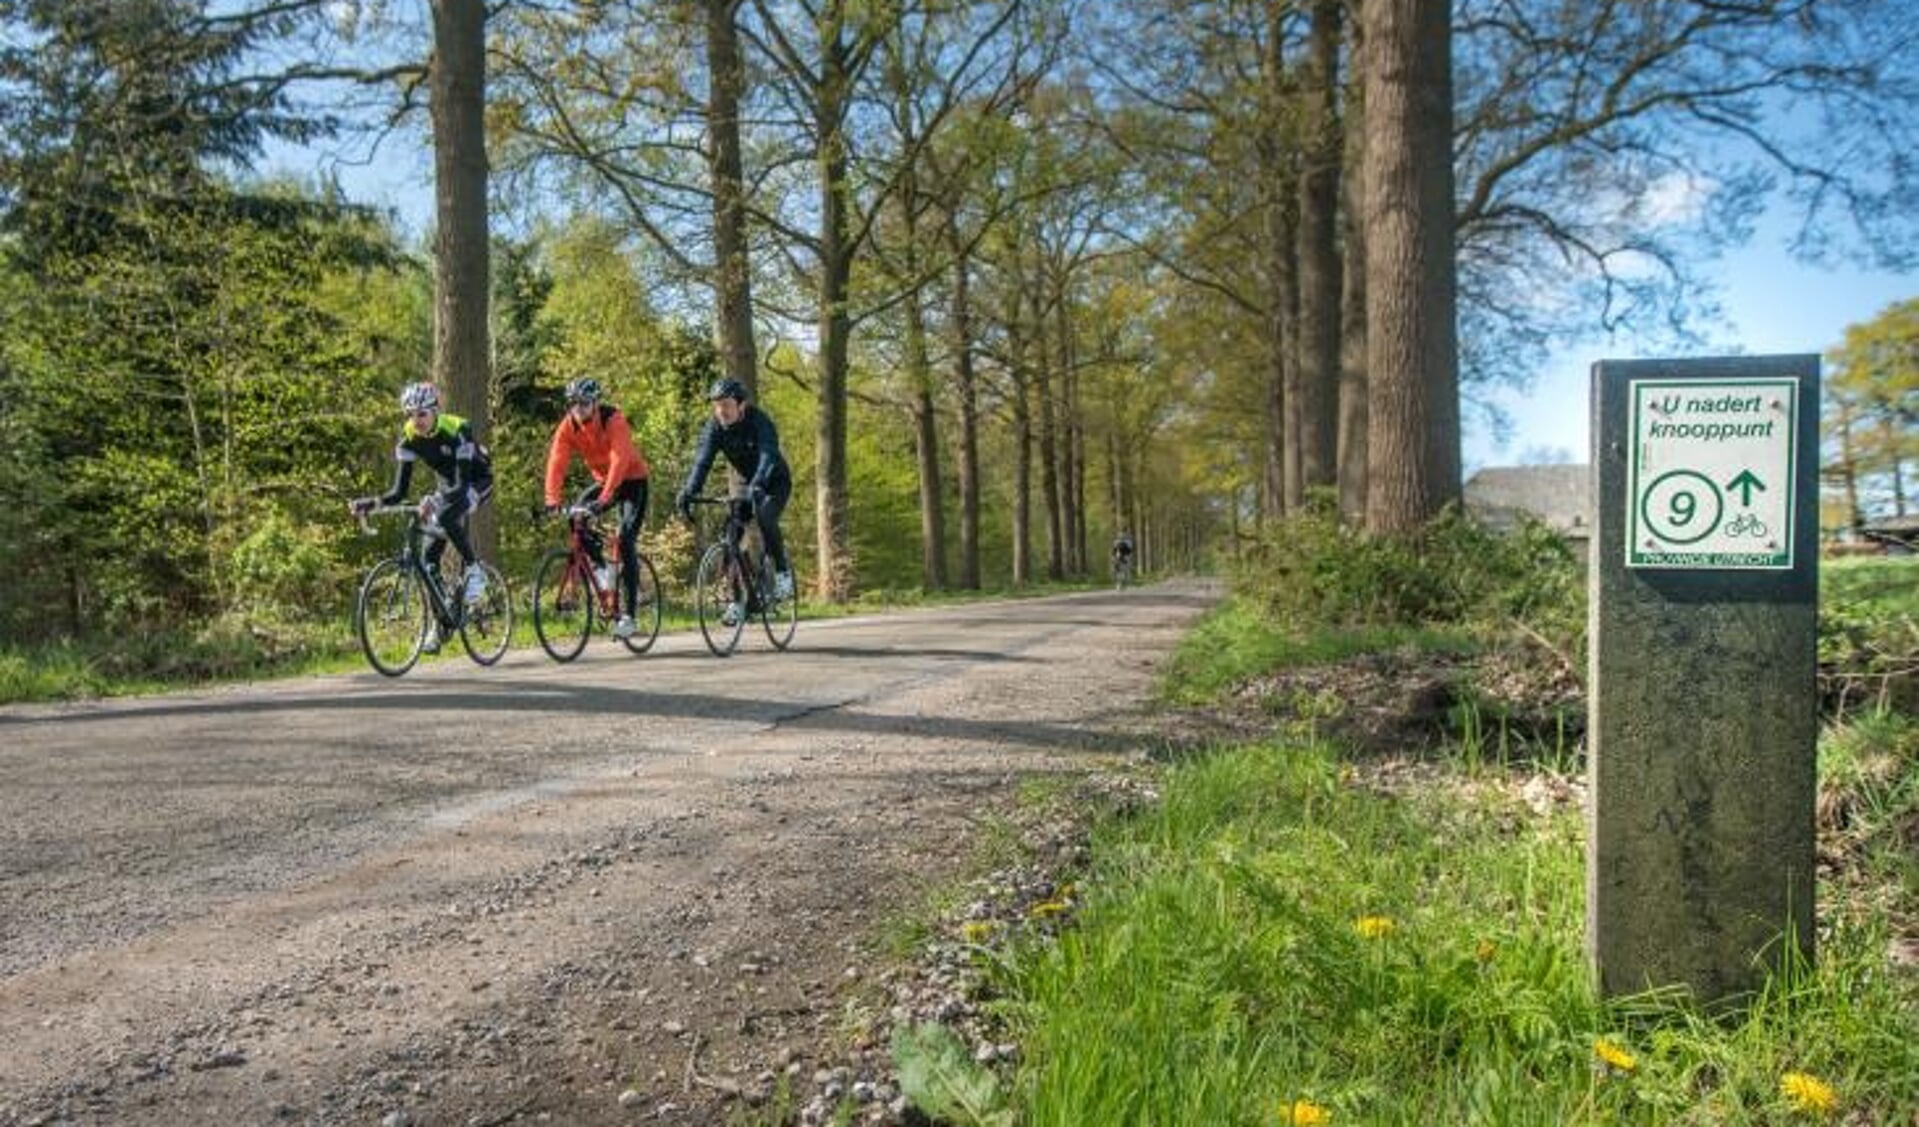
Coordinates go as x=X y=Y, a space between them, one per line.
x=246 y=902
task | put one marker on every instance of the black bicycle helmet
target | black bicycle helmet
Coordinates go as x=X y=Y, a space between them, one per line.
x=586 y=389
x=724 y=388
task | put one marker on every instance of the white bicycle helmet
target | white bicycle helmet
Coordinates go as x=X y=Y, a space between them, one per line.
x=419 y=397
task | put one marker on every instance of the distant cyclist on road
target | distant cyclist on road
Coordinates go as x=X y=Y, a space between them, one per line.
x=1122 y=558
x=599 y=434
x=746 y=436
x=465 y=471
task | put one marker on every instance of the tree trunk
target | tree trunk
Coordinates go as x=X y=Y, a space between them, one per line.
x=462 y=356
x=1073 y=451
x=1848 y=466
x=1049 y=471
x=1412 y=343
x=732 y=274
x=1042 y=390
x=1286 y=341
x=1889 y=434
x=835 y=560
x=1353 y=410
x=1022 y=468
x=1319 y=276
x=966 y=388
x=1277 y=156
x=926 y=448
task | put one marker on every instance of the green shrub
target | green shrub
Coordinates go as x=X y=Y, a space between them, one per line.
x=1869 y=635
x=1312 y=571
x=287 y=568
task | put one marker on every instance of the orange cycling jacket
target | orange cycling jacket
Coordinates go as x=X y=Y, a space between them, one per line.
x=605 y=443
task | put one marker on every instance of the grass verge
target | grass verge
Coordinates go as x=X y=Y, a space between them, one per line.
x=1278 y=941
x=1293 y=934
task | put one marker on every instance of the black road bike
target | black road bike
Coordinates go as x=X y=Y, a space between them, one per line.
x=570 y=592
x=734 y=582
x=402 y=598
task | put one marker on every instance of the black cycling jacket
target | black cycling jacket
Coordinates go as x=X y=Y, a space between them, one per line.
x=449 y=450
x=751 y=446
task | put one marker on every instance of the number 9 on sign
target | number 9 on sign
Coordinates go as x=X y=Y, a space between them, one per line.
x=1681 y=507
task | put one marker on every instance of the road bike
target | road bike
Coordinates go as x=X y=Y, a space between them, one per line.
x=402 y=598
x=734 y=582
x=1122 y=571
x=570 y=592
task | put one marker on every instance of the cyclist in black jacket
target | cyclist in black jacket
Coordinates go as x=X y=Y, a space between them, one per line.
x=746 y=436
x=465 y=471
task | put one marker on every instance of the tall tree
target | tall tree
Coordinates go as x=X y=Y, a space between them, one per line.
x=1412 y=349
x=732 y=258
x=1353 y=410
x=1319 y=260
x=462 y=354
x=1872 y=393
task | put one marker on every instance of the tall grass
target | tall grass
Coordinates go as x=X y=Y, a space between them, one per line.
x=1276 y=938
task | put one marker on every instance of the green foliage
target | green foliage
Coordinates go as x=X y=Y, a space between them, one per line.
x=48 y=673
x=1871 y=403
x=1277 y=931
x=942 y=1079
x=174 y=380
x=286 y=569
x=1312 y=571
x=1869 y=634
x=1239 y=640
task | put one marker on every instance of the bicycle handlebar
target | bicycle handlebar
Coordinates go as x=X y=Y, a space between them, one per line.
x=430 y=527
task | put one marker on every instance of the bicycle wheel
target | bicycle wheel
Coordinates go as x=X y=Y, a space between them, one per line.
x=719 y=594
x=390 y=616
x=488 y=625
x=646 y=609
x=780 y=616
x=562 y=606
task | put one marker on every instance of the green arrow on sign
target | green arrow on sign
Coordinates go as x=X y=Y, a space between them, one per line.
x=1745 y=483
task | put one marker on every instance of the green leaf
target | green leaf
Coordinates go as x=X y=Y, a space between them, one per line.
x=944 y=1081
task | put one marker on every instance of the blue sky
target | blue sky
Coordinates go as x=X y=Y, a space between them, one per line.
x=1772 y=304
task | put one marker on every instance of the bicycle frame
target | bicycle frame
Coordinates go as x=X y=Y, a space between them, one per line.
x=740 y=559
x=580 y=569
x=450 y=614
x=738 y=577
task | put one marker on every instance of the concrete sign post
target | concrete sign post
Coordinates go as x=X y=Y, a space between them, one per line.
x=1703 y=636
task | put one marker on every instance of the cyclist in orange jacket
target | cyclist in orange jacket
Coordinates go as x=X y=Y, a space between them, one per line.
x=599 y=434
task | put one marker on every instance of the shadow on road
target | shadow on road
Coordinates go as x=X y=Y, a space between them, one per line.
x=480 y=695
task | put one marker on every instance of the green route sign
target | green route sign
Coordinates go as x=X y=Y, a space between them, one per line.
x=1711 y=473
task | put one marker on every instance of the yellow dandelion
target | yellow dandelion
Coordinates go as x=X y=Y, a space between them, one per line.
x=1373 y=927
x=1046 y=908
x=1614 y=1055
x=1485 y=951
x=976 y=931
x=1304 y=1113
x=1808 y=1093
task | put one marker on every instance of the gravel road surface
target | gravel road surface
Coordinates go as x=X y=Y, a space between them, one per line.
x=627 y=890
